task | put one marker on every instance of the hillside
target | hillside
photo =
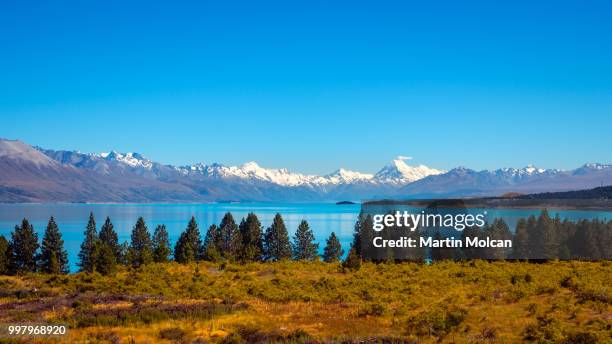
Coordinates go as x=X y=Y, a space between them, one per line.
x=602 y=192
x=34 y=174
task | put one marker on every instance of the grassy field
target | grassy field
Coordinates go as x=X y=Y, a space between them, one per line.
x=454 y=302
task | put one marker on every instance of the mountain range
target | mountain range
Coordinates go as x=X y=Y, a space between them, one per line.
x=34 y=174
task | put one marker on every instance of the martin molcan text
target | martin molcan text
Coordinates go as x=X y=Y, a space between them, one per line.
x=409 y=242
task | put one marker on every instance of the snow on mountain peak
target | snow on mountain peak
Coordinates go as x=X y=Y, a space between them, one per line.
x=398 y=172
x=130 y=159
x=343 y=176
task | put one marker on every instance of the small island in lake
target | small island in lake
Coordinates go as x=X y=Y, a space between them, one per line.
x=345 y=203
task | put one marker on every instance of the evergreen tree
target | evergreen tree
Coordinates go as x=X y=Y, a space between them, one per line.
x=87 y=255
x=126 y=258
x=209 y=248
x=161 y=245
x=498 y=231
x=109 y=237
x=585 y=241
x=53 y=258
x=352 y=261
x=141 y=250
x=521 y=240
x=304 y=246
x=366 y=250
x=357 y=229
x=441 y=253
x=252 y=238
x=230 y=241
x=188 y=246
x=23 y=247
x=333 y=250
x=535 y=238
x=549 y=245
x=4 y=255
x=106 y=259
x=276 y=243
x=471 y=252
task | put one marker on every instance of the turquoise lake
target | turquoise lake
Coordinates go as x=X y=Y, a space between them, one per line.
x=323 y=218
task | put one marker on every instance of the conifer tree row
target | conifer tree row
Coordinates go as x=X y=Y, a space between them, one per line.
x=540 y=238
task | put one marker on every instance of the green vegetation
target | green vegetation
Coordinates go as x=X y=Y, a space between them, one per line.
x=241 y=285
x=304 y=246
x=333 y=250
x=53 y=258
x=310 y=302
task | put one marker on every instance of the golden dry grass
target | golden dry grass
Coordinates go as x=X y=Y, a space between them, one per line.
x=454 y=302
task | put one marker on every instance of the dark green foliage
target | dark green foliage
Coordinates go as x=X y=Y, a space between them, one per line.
x=437 y=320
x=108 y=236
x=87 y=255
x=471 y=252
x=188 y=246
x=229 y=242
x=53 y=258
x=125 y=254
x=498 y=230
x=333 y=250
x=141 y=250
x=521 y=240
x=4 y=255
x=352 y=261
x=209 y=248
x=252 y=238
x=304 y=245
x=441 y=253
x=276 y=244
x=23 y=247
x=362 y=237
x=161 y=245
x=106 y=260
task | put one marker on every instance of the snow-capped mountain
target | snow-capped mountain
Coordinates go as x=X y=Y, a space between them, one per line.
x=397 y=173
x=461 y=181
x=29 y=174
x=400 y=173
x=130 y=159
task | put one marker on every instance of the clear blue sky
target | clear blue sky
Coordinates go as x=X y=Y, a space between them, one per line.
x=313 y=86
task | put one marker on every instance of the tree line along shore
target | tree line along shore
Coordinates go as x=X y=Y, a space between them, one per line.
x=542 y=237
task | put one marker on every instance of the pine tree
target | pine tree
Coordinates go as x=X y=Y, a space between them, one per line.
x=304 y=246
x=161 y=245
x=106 y=259
x=230 y=243
x=547 y=237
x=4 y=255
x=126 y=258
x=441 y=253
x=276 y=243
x=535 y=238
x=140 y=246
x=498 y=231
x=352 y=261
x=87 y=255
x=23 y=247
x=188 y=246
x=252 y=238
x=333 y=250
x=209 y=248
x=521 y=240
x=53 y=258
x=356 y=245
x=109 y=237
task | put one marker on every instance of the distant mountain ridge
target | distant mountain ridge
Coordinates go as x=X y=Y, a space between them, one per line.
x=34 y=174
